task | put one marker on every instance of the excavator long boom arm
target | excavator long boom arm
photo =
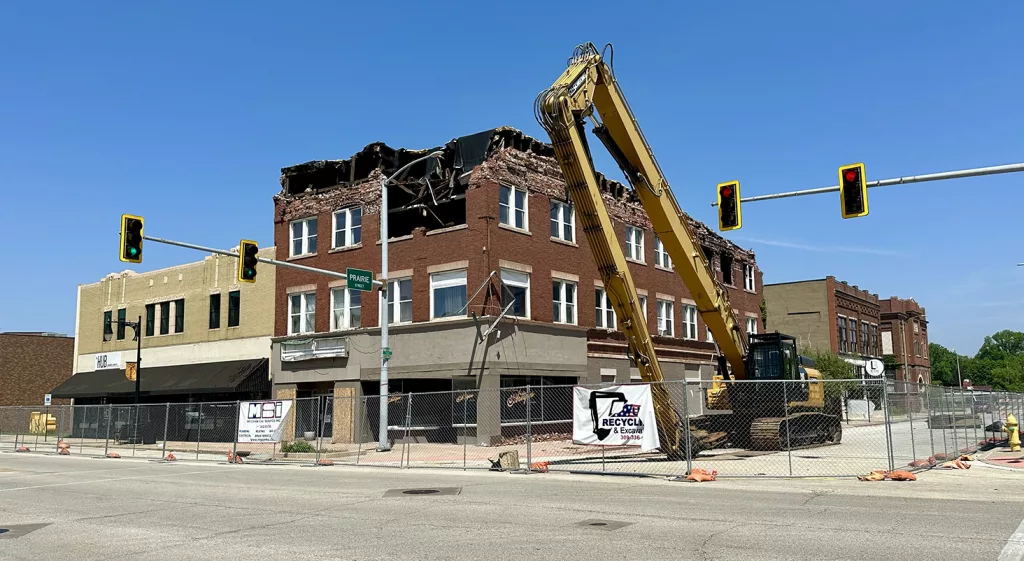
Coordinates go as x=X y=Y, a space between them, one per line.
x=588 y=89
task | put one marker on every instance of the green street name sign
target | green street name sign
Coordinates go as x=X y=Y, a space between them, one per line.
x=359 y=279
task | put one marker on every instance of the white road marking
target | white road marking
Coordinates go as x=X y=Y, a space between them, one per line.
x=106 y=480
x=1014 y=548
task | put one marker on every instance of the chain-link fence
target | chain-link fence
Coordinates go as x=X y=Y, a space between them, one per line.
x=737 y=428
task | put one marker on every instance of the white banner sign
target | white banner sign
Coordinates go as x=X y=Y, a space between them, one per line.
x=108 y=361
x=262 y=421
x=615 y=416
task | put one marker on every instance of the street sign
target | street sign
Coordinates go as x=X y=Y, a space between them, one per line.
x=130 y=371
x=47 y=399
x=386 y=352
x=359 y=279
x=108 y=361
x=874 y=367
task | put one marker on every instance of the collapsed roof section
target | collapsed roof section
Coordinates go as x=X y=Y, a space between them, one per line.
x=431 y=193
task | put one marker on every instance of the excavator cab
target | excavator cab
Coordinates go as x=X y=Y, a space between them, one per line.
x=773 y=356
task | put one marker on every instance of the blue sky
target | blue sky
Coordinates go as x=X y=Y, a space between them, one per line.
x=185 y=113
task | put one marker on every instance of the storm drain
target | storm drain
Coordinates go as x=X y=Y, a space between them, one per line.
x=597 y=524
x=425 y=491
x=17 y=530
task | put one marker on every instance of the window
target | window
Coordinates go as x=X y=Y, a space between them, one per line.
x=643 y=306
x=563 y=301
x=179 y=315
x=635 y=243
x=748 y=277
x=215 y=311
x=108 y=330
x=165 y=318
x=122 y=316
x=512 y=211
x=874 y=340
x=448 y=294
x=865 y=338
x=689 y=322
x=726 y=262
x=348 y=227
x=841 y=332
x=751 y=326
x=563 y=221
x=150 y=319
x=661 y=258
x=399 y=301
x=346 y=308
x=605 y=312
x=710 y=337
x=665 y=318
x=301 y=313
x=234 y=308
x=852 y=346
x=303 y=237
x=516 y=287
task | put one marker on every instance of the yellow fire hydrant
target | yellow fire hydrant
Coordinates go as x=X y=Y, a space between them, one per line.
x=1011 y=430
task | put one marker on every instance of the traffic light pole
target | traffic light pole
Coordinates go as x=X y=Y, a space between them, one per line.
x=973 y=172
x=275 y=262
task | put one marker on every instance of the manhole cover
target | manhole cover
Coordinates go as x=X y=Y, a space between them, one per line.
x=598 y=523
x=603 y=524
x=434 y=491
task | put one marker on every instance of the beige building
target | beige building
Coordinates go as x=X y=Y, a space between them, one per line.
x=205 y=336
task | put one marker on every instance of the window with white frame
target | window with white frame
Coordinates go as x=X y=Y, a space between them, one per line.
x=348 y=227
x=689 y=322
x=751 y=326
x=643 y=306
x=661 y=258
x=605 y=312
x=399 y=301
x=448 y=294
x=303 y=237
x=346 y=308
x=301 y=312
x=512 y=207
x=748 y=277
x=665 y=318
x=563 y=301
x=563 y=221
x=515 y=290
x=635 y=243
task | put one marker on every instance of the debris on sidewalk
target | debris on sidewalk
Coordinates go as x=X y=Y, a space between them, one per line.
x=541 y=467
x=882 y=475
x=700 y=474
x=955 y=464
x=506 y=461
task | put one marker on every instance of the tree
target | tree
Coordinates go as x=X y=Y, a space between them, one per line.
x=833 y=367
x=998 y=363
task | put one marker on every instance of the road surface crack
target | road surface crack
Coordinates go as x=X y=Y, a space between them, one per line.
x=703 y=552
x=816 y=494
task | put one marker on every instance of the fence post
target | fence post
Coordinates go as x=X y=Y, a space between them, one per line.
x=199 y=430
x=408 y=421
x=234 y=435
x=465 y=423
x=135 y=435
x=110 y=416
x=529 y=429
x=60 y=429
x=360 y=401
x=888 y=423
x=907 y=404
x=686 y=424
x=789 y=444
x=167 y=420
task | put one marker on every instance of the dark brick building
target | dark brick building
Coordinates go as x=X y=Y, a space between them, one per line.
x=905 y=336
x=486 y=229
x=32 y=364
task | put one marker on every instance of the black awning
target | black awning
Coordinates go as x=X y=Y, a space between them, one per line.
x=208 y=377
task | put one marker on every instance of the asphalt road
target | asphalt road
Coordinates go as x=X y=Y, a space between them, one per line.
x=89 y=509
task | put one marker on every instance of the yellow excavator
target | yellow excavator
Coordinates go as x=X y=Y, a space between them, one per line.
x=763 y=416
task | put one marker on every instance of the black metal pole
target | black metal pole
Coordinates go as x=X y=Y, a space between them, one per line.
x=138 y=359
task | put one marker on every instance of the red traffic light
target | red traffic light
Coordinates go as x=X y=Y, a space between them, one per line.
x=726 y=192
x=851 y=175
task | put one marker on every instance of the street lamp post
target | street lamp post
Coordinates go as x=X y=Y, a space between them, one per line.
x=382 y=444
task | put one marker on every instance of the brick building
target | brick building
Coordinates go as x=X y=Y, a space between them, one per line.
x=827 y=314
x=31 y=364
x=485 y=230
x=905 y=336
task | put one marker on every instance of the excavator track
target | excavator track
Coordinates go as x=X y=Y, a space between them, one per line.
x=805 y=430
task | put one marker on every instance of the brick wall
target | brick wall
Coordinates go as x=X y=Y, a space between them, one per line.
x=31 y=366
x=905 y=320
x=860 y=306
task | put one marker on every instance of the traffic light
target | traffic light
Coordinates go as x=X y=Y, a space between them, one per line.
x=729 y=215
x=247 y=251
x=853 y=191
x=131 y=238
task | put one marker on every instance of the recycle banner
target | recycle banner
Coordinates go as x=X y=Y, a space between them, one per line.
x=615 y=416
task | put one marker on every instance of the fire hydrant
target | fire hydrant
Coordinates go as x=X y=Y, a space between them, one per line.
x=1011 y=430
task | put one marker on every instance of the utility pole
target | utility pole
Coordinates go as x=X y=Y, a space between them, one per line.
x=138 y=360
x=382 y=441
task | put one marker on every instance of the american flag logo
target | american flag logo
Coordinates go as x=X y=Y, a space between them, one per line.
x=628 y=410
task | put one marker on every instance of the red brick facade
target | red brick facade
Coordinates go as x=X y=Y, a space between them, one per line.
x=854 y=319
x=485 y=245
x=905 y=323
x=31 y=365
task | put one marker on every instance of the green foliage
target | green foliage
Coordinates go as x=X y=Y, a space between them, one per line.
x=998 y=363
x=764 y=314
x=832 y=367
x=297 y=447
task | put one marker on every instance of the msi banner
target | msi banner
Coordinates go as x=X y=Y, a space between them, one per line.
x=615 y=416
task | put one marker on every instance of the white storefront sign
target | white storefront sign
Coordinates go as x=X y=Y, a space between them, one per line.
x=262 y=421
x=615 y=416
x=108 y=361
